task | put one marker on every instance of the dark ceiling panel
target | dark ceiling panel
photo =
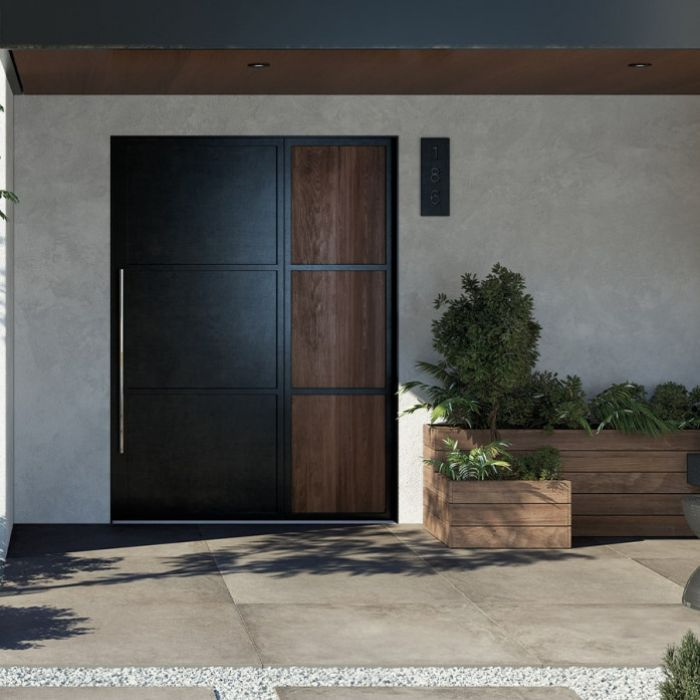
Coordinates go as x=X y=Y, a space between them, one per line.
x=350 y=23
x=443 y=71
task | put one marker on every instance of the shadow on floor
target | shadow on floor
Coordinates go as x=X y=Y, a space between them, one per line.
x=279 y=552
x=26 y=628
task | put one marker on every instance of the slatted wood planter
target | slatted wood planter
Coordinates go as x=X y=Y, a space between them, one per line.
x=501 y=514
x=622 y=485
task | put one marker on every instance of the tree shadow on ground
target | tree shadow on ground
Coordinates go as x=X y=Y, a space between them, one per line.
x=279 y=552
x=26 y=627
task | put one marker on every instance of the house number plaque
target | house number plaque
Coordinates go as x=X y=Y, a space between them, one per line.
x=435 y=177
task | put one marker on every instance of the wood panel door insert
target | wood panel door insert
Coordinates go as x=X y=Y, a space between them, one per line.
x=340 y=293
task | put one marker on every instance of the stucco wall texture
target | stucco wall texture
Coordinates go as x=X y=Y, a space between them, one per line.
x=6 y=318
x=595 y=199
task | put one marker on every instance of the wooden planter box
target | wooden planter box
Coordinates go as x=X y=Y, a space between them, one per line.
x=622 y=485
x=500 y=514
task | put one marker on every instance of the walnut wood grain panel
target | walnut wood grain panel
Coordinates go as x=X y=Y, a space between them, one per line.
x=631 y=526
x=627 y=504
x=564 y=440
x=501 y=515
x=611 y=461
x=359 y=71
x=338 y=454
x=629 y=482
x=606 y=460
x=508 y=537
x=338 y=204
x=338 y=329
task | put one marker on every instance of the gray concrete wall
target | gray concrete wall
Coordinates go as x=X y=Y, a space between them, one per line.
x=594 y=199
x=6 y=319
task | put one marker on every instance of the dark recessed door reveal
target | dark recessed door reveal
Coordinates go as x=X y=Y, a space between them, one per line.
x=252 y=361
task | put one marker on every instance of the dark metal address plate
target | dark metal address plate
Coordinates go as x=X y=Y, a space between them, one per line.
x=693 y=464
x=435 y=177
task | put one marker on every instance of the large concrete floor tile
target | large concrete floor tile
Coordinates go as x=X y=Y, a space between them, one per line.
x=360 y=569
x=187 y=578
x=379 y=635
x=658 y=548
x=600 y=635
x=568 y=580
x=106 y=540
x=349 y=585
x=367 y=541
x=423 y=543
x=106 y=693
x=37 y=632
x=426 y=694
x=676 y=570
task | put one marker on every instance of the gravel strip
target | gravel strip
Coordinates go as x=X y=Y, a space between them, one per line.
x=253 y=683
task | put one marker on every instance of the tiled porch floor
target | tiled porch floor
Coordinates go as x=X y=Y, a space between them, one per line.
x=337 y=596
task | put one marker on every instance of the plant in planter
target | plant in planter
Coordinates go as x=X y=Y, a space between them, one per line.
x=676 y=405
x=479 y=463
x=487 y=337
x=624 y=454
x=484 y=497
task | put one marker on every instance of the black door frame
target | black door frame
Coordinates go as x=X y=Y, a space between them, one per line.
x=284 y=265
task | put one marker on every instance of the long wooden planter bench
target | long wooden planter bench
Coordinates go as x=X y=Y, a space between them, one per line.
x=622 y=485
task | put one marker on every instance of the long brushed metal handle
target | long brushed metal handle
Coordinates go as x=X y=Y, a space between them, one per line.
x=121 y=362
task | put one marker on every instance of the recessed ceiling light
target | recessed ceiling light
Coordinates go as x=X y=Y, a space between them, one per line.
x=258 y=66
x=639 y=65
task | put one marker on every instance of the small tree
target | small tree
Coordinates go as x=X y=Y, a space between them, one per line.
x=488 y=338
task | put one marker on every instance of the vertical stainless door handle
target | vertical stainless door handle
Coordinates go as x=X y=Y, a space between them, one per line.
x=121 y=361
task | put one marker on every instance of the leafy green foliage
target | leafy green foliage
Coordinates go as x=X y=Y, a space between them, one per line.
x=541 y=465
x=624 y=407
x=547 y=402
x=447 y=402
x=682 y=670
x=676 y=405
x=490 y=461
x=488 y=337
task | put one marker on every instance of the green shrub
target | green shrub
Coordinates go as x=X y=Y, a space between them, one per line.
x=541 y=465
x=670 y=402
x=694 y=406
x=546 y=401
x=682 y=670
x=488 y=338
x=624 y=407
x=490 y=461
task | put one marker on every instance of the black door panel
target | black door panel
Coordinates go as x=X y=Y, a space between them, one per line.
x=200 y=456
x=198 y=306
x=198 y=201
x=200 y=328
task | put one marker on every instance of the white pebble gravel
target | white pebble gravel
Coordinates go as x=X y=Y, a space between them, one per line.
x=255 y=683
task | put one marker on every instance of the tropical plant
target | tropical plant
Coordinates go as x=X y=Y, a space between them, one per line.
x=446 y=402
x=541 y=465
x=6 y=194
x=487 y=337
x=682 y=670
x=490 y=461
x=624 y=407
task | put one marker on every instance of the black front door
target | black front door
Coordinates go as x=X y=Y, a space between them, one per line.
x=197 y=260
